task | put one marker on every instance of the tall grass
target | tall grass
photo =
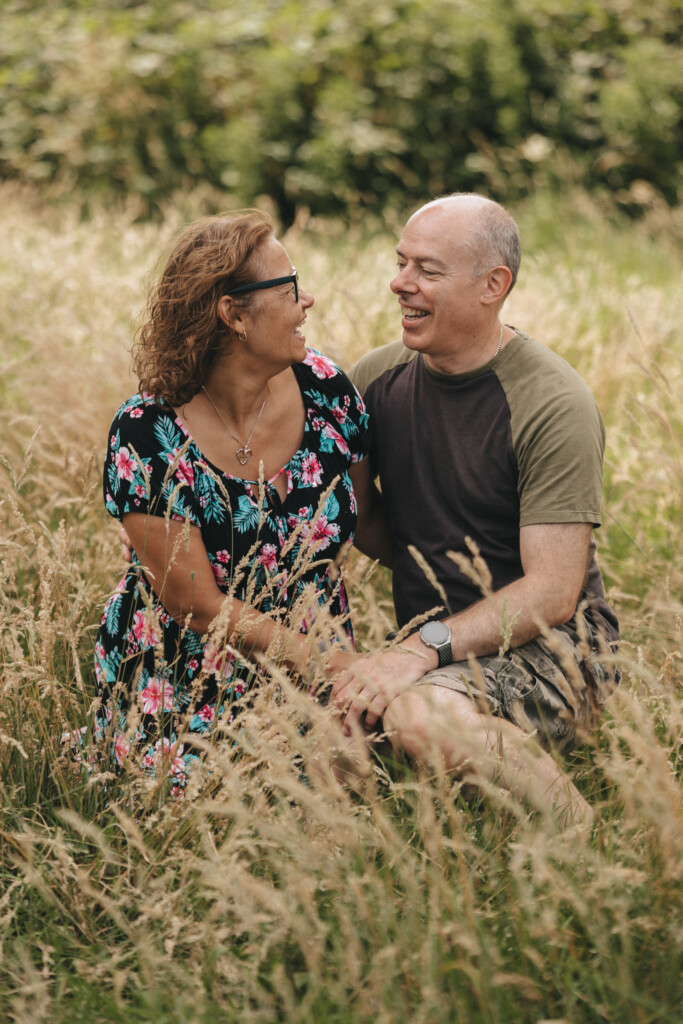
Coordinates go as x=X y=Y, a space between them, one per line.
x=275 y=894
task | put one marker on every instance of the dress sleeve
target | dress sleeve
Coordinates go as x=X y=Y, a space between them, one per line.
x=148 y=467
x=341 y=406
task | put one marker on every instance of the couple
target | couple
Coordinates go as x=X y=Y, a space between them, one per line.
x=246 y=465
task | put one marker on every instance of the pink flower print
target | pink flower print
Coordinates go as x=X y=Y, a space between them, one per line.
x=323 y=533
x=223 y=556
x=156 y=694
x=268 y=557
x=184 y=471
x=125 y=465
x=334 y=435
x=193 y=665
x=140 y=490
x=311 y=470
x=121 y=748
x=135 y=413
x=307 y=620
x=321 y=366
x=146 y=629
x=164 y=749
x=217 y=661
x=207 y=713
x=340 y=412
x=239 y=687
x=221 y=574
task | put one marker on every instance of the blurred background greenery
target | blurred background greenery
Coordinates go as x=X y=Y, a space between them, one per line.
x=340 y=107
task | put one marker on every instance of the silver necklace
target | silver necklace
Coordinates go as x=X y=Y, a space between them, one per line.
x=244 y=452
x=500 y=342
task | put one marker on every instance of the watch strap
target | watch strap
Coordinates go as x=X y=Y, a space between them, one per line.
x=445 y=653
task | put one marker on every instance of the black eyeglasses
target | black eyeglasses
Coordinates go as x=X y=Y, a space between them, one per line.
x=257 y=286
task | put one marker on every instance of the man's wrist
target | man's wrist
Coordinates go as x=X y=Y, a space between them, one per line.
x=437 y=635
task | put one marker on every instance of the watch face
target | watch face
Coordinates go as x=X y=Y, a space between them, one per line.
x=435 y=633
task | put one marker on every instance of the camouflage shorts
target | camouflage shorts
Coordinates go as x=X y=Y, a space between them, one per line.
x=554 y=686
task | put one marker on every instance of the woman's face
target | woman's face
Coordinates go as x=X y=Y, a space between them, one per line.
x=273 y=320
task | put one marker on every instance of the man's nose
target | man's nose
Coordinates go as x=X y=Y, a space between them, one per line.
x=404 y=281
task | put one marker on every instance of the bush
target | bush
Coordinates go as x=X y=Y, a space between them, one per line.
x=339 y=106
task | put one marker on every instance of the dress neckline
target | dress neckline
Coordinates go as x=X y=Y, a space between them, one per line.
x=239 y=479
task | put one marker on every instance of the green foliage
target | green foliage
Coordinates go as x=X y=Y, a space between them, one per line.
x=340 y=106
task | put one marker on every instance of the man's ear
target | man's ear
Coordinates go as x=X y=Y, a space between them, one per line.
x=230 y=313
x=496 y=285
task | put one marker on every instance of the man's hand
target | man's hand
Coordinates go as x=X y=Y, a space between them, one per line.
x=364 y=688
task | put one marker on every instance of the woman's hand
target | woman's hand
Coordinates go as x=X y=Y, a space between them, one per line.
x=126 y=546
x=365 y=685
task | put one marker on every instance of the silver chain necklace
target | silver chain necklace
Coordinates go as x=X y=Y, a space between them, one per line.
x=500 y=342
x=244 y=452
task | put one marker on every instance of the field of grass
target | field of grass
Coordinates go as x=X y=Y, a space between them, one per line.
x=265 y=896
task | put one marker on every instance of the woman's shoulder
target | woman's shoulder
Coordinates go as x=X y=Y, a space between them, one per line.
x=320 y=366
x=140 y=413
x=142 y=404
x=321 y=373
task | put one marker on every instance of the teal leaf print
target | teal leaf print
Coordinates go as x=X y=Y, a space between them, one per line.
x=331 y=510
x=113 y=615
x=246 y=516
x=209 y=497
x=176 y=505
x=167 y=434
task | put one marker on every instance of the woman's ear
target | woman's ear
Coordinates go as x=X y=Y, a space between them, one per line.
x=232 y=315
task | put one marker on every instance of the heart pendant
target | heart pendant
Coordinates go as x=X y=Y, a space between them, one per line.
x=244 y=454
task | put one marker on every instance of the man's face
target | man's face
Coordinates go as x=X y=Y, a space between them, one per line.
x=440 y=303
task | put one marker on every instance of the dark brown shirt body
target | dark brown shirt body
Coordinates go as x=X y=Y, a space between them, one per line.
x=517 y=442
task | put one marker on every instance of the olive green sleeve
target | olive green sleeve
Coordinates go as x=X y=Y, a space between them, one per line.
x=558 y=436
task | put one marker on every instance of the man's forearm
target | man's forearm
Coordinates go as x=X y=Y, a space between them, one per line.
x=512 y=615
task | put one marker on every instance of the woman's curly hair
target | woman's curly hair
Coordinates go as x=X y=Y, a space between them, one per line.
x=182 y=334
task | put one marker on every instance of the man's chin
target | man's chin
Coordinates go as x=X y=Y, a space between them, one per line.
x=412 y=340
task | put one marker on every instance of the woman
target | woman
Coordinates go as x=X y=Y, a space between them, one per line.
x=230 y=473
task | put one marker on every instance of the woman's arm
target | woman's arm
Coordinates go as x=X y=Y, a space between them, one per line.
x=177 y=566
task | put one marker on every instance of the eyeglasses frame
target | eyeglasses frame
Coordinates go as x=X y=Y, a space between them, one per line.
x=258 y=286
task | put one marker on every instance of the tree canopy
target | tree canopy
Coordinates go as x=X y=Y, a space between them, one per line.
x=341 y=105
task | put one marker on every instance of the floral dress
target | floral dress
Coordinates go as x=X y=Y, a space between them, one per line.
x=159 y=678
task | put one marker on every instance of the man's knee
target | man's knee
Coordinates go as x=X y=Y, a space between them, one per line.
x=432 y=720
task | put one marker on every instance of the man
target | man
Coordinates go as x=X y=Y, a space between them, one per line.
x=481 y=434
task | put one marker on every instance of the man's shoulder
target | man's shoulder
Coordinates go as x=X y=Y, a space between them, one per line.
x=529 y=371
x=373 y=364
x=526 y=356
x=541 y=388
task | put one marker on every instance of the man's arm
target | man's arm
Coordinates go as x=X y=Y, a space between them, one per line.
x=372 y=531
x=554 y=560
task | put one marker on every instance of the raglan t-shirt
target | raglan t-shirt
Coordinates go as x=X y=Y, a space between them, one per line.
x=517 y=442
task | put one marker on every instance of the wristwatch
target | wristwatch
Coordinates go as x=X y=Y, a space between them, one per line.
x=437 y=635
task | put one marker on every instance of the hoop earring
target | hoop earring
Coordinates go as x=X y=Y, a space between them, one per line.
x=242 y=336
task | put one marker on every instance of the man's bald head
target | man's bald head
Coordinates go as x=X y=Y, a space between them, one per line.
x=484 y=228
